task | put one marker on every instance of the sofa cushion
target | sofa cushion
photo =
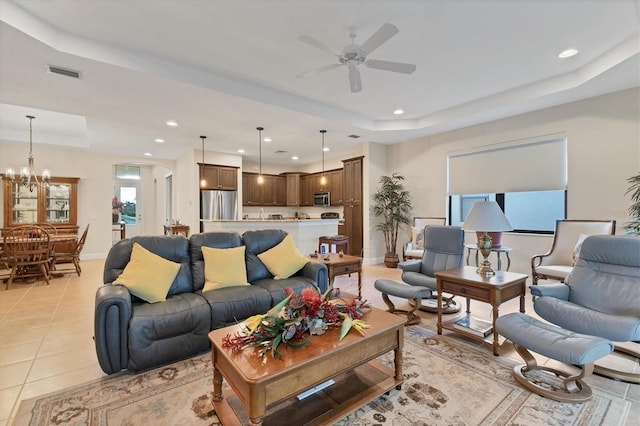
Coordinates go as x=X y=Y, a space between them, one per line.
x=258 y=242
x=147 y=275
x=284 y=259
x=224 y=267
x=164 y=332
x=208 y=239
x=230 y=305
x=276 y=288
x=174 y=248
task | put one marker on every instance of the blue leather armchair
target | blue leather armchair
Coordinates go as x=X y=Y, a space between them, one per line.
x=600 y=297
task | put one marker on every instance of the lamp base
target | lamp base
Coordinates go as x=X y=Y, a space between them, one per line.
x=485 y=269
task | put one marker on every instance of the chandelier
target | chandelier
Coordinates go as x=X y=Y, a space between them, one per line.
x=28 y=176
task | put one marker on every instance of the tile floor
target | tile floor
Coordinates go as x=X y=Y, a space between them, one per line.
x=46 y=334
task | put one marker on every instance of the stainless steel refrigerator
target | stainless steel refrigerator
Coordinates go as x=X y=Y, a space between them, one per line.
x=218 y=205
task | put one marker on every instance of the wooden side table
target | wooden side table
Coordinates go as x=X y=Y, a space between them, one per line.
x=495 y=290
x=342 y=265
x=180 y=230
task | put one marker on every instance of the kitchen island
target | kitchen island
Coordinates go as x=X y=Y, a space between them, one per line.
x=305 y=232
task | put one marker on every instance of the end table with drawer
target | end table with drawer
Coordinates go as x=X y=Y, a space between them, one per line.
x=495 y=290
x=342 y=265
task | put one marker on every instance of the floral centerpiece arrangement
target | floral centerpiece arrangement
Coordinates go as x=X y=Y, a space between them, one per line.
x=295 y=320
x=116 y=209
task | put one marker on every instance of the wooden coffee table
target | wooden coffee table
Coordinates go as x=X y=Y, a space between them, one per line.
x=265 y=388
x=342 y=265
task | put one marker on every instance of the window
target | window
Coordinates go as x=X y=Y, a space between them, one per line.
x=530 y=211
x=527 y=179
x=125 y=171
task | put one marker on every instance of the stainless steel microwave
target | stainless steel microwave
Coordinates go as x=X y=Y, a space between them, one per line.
x=321 y=199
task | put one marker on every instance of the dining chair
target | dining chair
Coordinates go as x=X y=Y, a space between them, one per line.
x=69 y=252
x=28 y=253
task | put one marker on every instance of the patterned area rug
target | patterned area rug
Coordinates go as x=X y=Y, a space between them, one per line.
x=447 y=382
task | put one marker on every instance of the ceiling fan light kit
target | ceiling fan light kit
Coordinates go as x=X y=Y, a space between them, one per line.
x=353 y=55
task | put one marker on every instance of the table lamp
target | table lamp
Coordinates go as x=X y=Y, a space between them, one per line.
x=486 y=216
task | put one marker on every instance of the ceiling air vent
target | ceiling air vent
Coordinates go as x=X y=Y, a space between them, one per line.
x=353 y=136
x=63 y=71
x=280 y=152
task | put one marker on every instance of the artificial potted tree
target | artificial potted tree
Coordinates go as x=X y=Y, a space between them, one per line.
x=392 y=204
x=633 y=227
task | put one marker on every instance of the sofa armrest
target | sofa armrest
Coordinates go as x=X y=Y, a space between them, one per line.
x=318 y=272
x=410 y=265
x=112 y=314
x=559 y=290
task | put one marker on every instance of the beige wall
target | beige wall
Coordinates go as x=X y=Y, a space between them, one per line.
x=603 y=144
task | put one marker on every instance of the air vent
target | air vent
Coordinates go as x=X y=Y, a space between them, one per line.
x=353 y=136
x=63 y=71
x=280 y=152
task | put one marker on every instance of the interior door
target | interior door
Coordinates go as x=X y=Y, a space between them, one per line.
x=129 y=192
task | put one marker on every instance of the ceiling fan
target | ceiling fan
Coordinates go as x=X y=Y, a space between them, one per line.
x=353 y=55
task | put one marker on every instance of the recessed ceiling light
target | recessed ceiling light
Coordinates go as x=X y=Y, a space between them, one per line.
x=148 y=154
x=241 y=151
x=399 y=111
x=295 y=157
x=267 y=139
x=325 y=149
x=172 y=123
x=159 y=140
x=567 y=53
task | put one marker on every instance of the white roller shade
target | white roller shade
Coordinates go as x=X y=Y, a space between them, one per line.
x=533 y=166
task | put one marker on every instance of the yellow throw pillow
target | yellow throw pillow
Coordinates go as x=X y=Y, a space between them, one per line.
x=284 y=259
x=224 y=267
x=148 y=275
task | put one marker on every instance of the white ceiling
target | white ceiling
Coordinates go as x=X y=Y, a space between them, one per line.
x=222 y=68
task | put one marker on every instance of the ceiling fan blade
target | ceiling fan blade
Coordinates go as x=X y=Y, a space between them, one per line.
x=320 y=45
x=383 y=34
x=318 y=70
x=391 y=66
x=354 y=78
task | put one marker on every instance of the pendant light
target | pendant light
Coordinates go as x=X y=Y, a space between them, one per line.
x=28 y=176
x=260 y=178
x=203 y=181
x=323 y=178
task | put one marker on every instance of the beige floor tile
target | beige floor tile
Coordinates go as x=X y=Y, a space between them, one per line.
x=18 y=353
x=62 y=362
x=54 y=345
x=19 y=336
x=14 y=374
x=8 y=399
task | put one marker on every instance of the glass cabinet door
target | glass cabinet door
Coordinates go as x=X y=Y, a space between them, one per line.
x=57 y=203
x=24 y=204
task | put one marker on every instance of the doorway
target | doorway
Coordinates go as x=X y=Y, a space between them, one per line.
x=128 y=191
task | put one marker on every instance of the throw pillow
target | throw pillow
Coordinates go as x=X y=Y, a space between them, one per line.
x=148 y=275
x=418 y=238
x=576 y=249
x=284 y=259
x=224 y=267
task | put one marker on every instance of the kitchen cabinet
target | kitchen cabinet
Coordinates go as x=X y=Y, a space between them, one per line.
x=335 y=178
x=55 y=203
x=219 y=177
x=292 y=183
x=352 y=200
x=307 y=189
x=272 y=192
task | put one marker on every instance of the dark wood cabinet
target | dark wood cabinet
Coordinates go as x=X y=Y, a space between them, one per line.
x=352 y=190
x=272 y=192
x=55 y=203
x=219 y=177
x=307 y=189
x=335 y=178
x=292 y=185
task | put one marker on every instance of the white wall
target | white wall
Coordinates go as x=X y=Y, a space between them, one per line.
x=603 y=139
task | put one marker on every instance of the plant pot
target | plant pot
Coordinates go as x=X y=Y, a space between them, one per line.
x=391 y=260
x=496 y=238
x=115 y=218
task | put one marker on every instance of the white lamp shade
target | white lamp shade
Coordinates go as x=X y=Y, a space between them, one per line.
x=486 y=216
